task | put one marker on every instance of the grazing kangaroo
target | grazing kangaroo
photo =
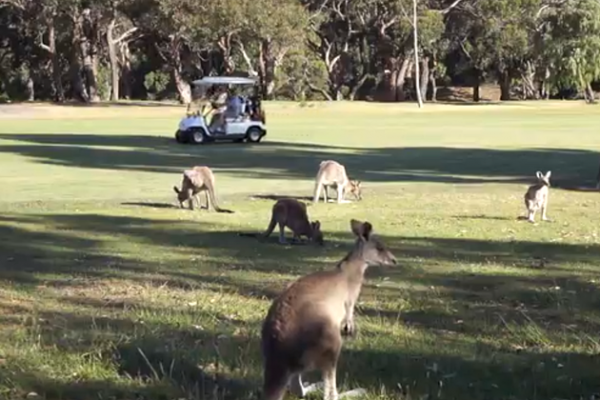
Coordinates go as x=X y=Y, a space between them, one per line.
x=302 y=329
x=194 y=181
x=292 y=214
x=536 y=196
x=332 y=173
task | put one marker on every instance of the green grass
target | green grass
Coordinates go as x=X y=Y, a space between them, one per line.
x=108 y=291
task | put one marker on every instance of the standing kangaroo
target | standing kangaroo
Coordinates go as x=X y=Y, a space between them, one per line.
x=303 y=328
x=536 y=196
x=292 y=214
x=332 y=173
x=196 y=180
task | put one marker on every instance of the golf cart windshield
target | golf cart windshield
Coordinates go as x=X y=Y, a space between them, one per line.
x=205 y=87
x=224 y=80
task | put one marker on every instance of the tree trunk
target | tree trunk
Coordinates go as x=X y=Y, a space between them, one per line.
x=114 y=62
x=401 y=78
x=125 y=66
x=590 y=97
x=79 y=88
x=424 y=76
x=528 y=78
x=505 y=82
x=416 y=50
x=267 y=64
x=87 y=47
x=434 y=87
x=90 y=69
x=30 y=87
x=57 y=87
x=183 y=87
x=359 y=84
x=476 y=86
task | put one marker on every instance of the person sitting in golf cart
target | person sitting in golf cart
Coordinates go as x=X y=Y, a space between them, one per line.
x=219 y=104
x=234 y=105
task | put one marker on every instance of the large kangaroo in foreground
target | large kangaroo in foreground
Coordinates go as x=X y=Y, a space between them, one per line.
x=292 y=214
x=332 y=173
x=536 y=196
x=196 y=180
x=303 y=327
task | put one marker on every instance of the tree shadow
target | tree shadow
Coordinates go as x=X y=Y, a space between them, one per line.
x=32 y=256
x=280 y=160
x=276 y=197
x=170 y=361
x=490 y=374
x=178 y=361
x=151 y=205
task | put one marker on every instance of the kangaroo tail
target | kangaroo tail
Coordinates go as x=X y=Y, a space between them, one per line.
x=317 y=191
x=271 y=226
x=263 y=235
x=213 y=199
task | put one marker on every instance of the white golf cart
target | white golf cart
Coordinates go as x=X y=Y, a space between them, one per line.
x=248 y=126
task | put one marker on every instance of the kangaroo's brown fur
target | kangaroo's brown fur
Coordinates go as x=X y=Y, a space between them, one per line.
x=536 y=196
x=331 y=173
x=196 y=180
x=292 y=214
x=302 y=330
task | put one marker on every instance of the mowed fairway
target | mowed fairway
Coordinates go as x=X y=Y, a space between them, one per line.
x=110 y=291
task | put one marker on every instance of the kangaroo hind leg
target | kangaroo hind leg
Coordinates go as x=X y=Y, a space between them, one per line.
x=275 y=383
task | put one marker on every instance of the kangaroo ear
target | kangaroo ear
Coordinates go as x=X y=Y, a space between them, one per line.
x=539 y=174
x=367 y=229
x=317 y=224
x=176 y=189
x=361 y=229
x=548 y=174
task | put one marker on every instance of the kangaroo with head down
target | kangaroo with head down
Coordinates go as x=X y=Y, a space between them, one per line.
x=292 y=214
x=536 y=196
x=196 y=180
x=331 y=173
x=303 y=327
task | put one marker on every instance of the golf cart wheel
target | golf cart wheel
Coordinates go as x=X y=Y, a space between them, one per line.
x=197 y=135
x=254 y=134
x=179 y=137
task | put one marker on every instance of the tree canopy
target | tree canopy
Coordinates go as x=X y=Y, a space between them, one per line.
x=98 y=50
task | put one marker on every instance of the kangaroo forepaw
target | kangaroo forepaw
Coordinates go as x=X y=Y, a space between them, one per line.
x=353 y=393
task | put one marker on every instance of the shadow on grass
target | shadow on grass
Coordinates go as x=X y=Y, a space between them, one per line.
x=462 y=315
x=151 y=360
x=151 y=205
x=489 y=374
x=279 y=160
x=275 y=197
x=156 y=361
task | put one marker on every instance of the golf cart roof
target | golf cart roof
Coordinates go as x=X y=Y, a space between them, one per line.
x=224 y=80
